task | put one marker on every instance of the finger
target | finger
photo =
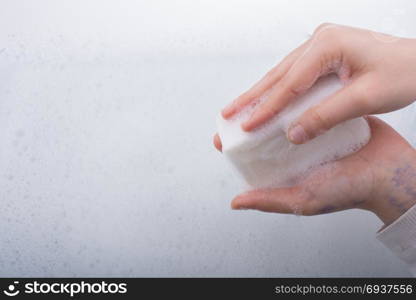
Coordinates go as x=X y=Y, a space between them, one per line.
x=274 y=75
x=330 y=188
x=349 y=102
x=282 y=200
x=217 y=142
x=301 y=76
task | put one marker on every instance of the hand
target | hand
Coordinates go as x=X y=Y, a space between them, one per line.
x=381 y=177
x=378 y=72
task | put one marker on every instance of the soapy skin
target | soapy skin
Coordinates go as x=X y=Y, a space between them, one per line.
x=378 y=70
x=381 y=178
x=265 y=158
x=379 y=73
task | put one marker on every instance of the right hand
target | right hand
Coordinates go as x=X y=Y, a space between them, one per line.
x=378 y=70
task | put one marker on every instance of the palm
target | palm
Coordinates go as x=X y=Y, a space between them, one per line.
x=355 y=181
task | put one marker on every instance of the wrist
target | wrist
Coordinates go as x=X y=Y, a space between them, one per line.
x=392 y=208
x=397 y=192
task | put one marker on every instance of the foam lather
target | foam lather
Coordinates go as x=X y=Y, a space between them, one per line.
x=265 y=158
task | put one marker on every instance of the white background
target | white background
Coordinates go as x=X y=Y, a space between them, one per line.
x=107 y=110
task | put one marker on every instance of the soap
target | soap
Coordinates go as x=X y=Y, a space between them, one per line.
x=265 y=158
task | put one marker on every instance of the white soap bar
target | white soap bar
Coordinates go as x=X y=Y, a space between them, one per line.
x=265 y=158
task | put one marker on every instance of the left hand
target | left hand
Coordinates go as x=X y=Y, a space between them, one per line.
x=381 y=177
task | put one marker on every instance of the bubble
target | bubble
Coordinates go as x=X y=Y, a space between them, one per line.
x=297 y=210
x=265 y=158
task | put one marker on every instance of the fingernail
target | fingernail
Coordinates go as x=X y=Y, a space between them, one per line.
x=297 y=134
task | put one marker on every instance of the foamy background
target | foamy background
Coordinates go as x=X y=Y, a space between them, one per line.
x=107 y=109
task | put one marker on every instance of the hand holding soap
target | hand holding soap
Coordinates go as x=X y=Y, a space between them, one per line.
x=265 y=158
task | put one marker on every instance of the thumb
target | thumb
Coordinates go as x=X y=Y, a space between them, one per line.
x=350 y=102
x=281 y=200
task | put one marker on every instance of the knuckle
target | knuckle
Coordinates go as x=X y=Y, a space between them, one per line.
x=270 y=109
x=328 y=32
x=309 y=210
x=293 y=92
x=305 y=204
x=319 y=121
x=288 y=88
x=322 y=26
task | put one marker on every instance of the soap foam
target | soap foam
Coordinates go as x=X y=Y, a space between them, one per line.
x=265 y=158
